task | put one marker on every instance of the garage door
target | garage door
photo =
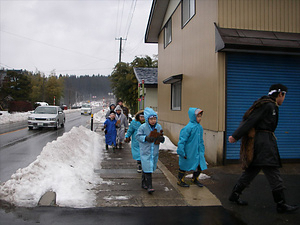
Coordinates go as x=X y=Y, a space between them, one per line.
x=249 y=77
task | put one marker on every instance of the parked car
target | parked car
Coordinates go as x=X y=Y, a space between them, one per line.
x=86 y=109
x=47 y=116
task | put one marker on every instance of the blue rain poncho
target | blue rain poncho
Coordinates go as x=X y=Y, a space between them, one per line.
x=148 y=151
x=111 y=134
x=132 y=131
x=191 y=145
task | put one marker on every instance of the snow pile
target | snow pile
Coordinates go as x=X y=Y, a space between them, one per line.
x=168 y=145
x=14 y=117
x=202 y=176
x=65 y=166
x=99 y=117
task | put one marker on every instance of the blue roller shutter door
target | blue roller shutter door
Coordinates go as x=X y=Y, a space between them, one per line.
x=249 y=77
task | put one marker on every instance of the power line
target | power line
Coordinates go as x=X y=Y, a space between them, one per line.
x=53 y=46
x=130 y=21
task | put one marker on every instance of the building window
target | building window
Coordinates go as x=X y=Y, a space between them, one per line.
x=188 y=11
x=168 y=33
x=176 y=96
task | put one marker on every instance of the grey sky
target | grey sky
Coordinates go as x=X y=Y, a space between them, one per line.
x=75 y=37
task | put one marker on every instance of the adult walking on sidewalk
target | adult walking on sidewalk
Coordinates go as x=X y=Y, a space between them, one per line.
x=259 y=149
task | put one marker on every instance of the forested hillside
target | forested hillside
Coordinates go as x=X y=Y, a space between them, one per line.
x=85 y=88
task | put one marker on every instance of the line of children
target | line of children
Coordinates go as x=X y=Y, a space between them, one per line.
x=146 y=136
x=149 y=136
x=132 y=130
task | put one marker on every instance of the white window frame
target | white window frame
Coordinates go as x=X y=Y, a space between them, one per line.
x=168 y=33
x=176 y=96
x=188 y=10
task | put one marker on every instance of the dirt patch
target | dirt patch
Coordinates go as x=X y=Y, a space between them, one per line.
x=170 y=160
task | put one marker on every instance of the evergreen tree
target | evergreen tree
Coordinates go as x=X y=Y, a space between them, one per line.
x=54 y=88
x=16 y=85
x=124 y=83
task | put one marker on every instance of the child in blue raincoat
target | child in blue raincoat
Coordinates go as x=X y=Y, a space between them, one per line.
x=191 y=148
x=132 y=130
x=149 y=136
x=110 y=130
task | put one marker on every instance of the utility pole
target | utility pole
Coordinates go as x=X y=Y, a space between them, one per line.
x=120 y=51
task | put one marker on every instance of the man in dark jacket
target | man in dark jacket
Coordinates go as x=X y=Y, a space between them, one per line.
x=259 y=147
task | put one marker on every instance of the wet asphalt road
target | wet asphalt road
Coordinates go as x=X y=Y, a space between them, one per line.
x=214 y=215
x=19 y=146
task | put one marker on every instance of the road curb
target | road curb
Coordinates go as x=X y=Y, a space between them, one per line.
x=193 y=195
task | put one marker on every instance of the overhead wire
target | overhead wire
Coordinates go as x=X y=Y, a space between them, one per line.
x=53 y=46
x=129 y=21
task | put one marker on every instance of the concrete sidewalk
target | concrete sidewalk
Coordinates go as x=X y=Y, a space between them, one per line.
x=122 y=185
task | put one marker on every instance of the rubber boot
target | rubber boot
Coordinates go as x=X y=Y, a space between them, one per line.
x=235 y=195
x=282 y=207
x=144 y=185
x=180 y=181
x=106 y=146
x=148 y=177
x=195 y=178
x=139 y=167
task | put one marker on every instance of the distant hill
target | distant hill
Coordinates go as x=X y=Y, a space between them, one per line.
x=85 y=88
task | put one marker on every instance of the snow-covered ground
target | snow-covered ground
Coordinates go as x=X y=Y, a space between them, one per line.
x=65 y=166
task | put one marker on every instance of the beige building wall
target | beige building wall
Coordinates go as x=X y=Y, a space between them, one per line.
x=151 y=98
x=268 y=15
x=192 y=53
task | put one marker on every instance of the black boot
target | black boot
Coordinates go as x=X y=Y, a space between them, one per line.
x=195 y=178
x=106 y=146
x=282 y=207
x=235 y=195
x=139 y=165
x=144 y=185
x=148 y=177
x=180 y=181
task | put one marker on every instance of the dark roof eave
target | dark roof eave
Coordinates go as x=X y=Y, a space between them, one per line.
x=156 y=17
x=260 y=49
x=228 y=39
x=173 y=79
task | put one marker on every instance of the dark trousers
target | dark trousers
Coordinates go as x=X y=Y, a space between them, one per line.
x=271 y=173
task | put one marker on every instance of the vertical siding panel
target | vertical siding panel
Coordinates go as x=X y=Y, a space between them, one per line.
x=270 y=10
x=238 y=13
x=275 y=15
x=297 y=16
x=278 y=16
x=258 y=19
x=246 y=8
x=292 y=16
x=283 y=14
x=256 y=15
x=262 y=9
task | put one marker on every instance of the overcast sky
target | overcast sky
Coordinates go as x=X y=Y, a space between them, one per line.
x=75 y=37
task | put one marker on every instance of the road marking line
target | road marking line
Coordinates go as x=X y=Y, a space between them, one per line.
x=13 y=131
